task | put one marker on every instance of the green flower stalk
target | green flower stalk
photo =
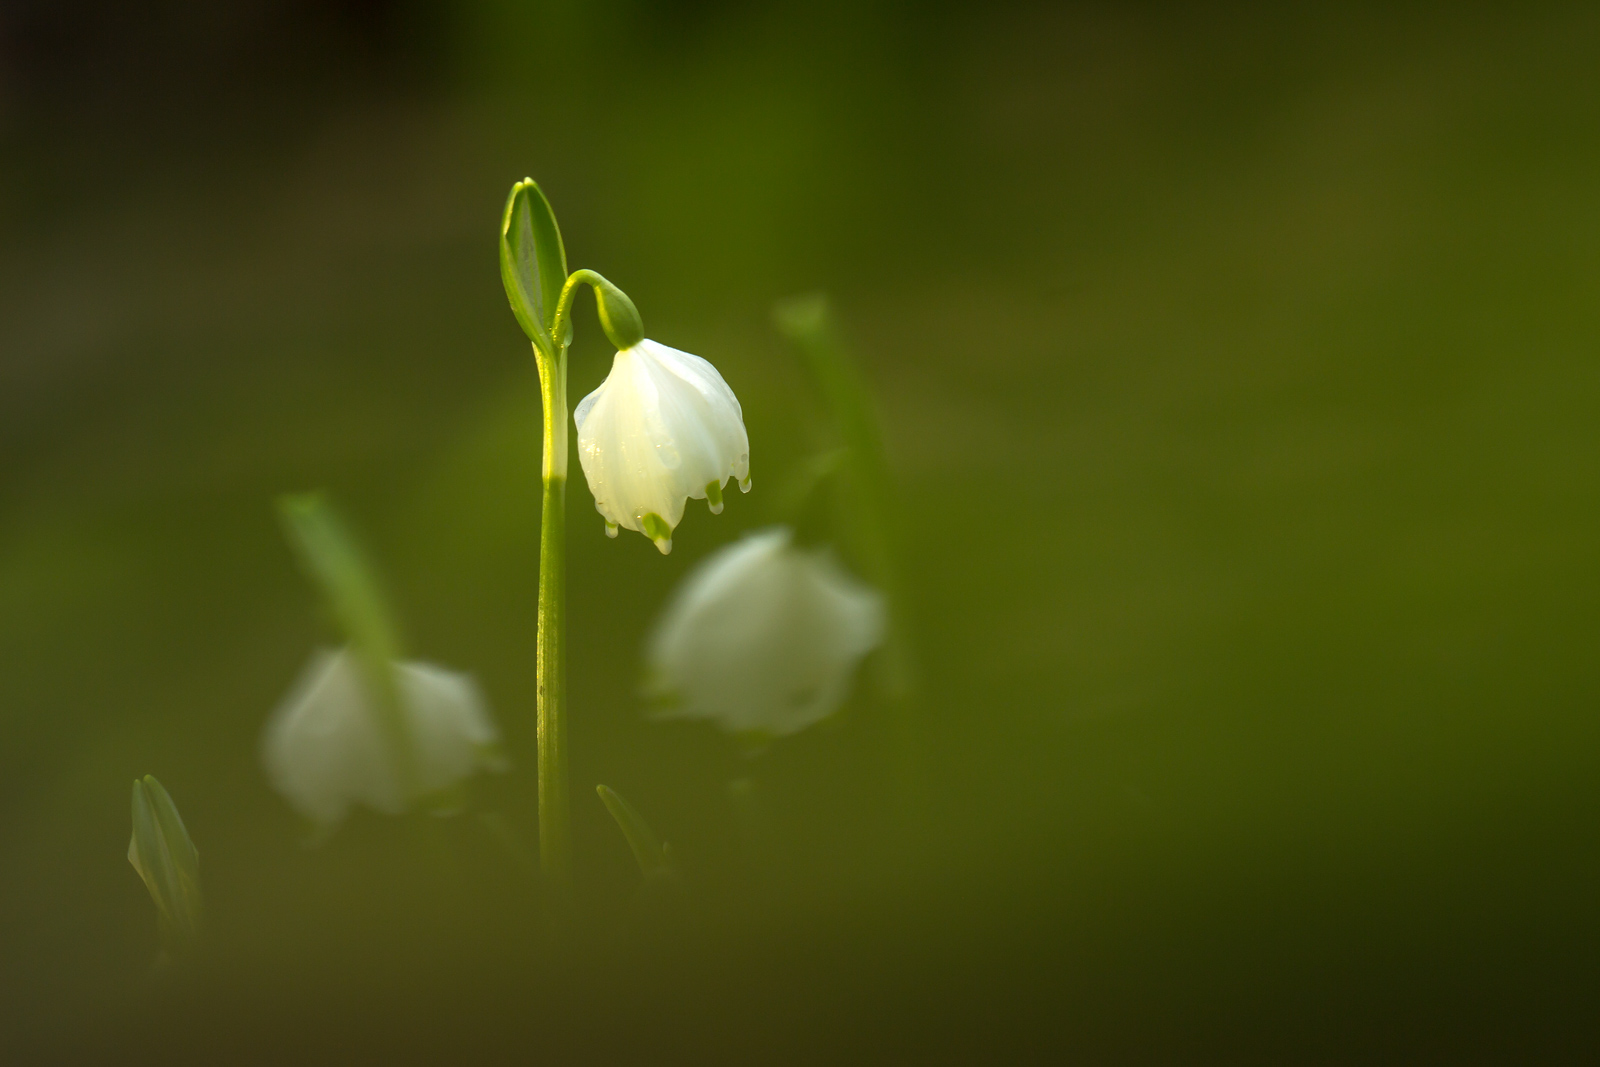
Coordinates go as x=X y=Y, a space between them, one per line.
x=870 y=510
x=533 y=266
x=871 y=520
x=664 y=428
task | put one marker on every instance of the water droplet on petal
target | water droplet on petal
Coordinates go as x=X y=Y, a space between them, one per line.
x=744 y=486
x=611 y=529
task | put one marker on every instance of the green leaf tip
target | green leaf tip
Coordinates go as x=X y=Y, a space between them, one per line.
x=168 y=863
x=654 y=857
x=533 y=262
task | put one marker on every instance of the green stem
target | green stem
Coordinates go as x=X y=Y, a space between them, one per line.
x=555 y=840
x=558 y=325
x=620 y=320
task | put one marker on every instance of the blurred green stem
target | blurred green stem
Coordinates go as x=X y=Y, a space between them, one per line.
x=334 y=560
x=872 y=519
x=555 y=844
x=872 y=522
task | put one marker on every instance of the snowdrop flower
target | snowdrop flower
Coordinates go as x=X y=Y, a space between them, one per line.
x=324 y=750
x=762 y=637
x=661 y=429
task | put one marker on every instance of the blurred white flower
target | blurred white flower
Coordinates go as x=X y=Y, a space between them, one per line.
x=662 y=428
x=324 y=749
x=762 y=637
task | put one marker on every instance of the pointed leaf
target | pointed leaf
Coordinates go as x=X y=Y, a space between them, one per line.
x=533 y=262
x=169 y=864
x=651 y=854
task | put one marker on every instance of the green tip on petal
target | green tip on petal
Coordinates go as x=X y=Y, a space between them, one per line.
x=744 y=486
x=714 y=497
x=656 y=528
x=611 y=529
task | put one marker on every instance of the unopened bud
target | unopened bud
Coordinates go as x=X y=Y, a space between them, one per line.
x=618 y=317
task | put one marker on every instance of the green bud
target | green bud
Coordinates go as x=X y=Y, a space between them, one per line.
x=618 y=317
x=533 y=262
x=169 y=864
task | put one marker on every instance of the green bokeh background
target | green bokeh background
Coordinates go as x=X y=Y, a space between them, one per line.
x=1239 y=372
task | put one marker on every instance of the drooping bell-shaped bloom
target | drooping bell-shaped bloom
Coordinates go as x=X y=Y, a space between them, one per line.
x=663 y=428
x=762 y=637
x=324 y=748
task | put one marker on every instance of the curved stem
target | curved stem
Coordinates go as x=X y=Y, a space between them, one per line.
x=558 y=325
x=555 y=848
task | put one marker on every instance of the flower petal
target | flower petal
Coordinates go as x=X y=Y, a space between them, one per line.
x=660 y=429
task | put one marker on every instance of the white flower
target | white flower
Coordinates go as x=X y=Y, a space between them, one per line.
x=762 y=637
x=662 y=428
x=324 y=750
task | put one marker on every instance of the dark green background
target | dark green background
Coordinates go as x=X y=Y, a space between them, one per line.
x=1239 y=370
